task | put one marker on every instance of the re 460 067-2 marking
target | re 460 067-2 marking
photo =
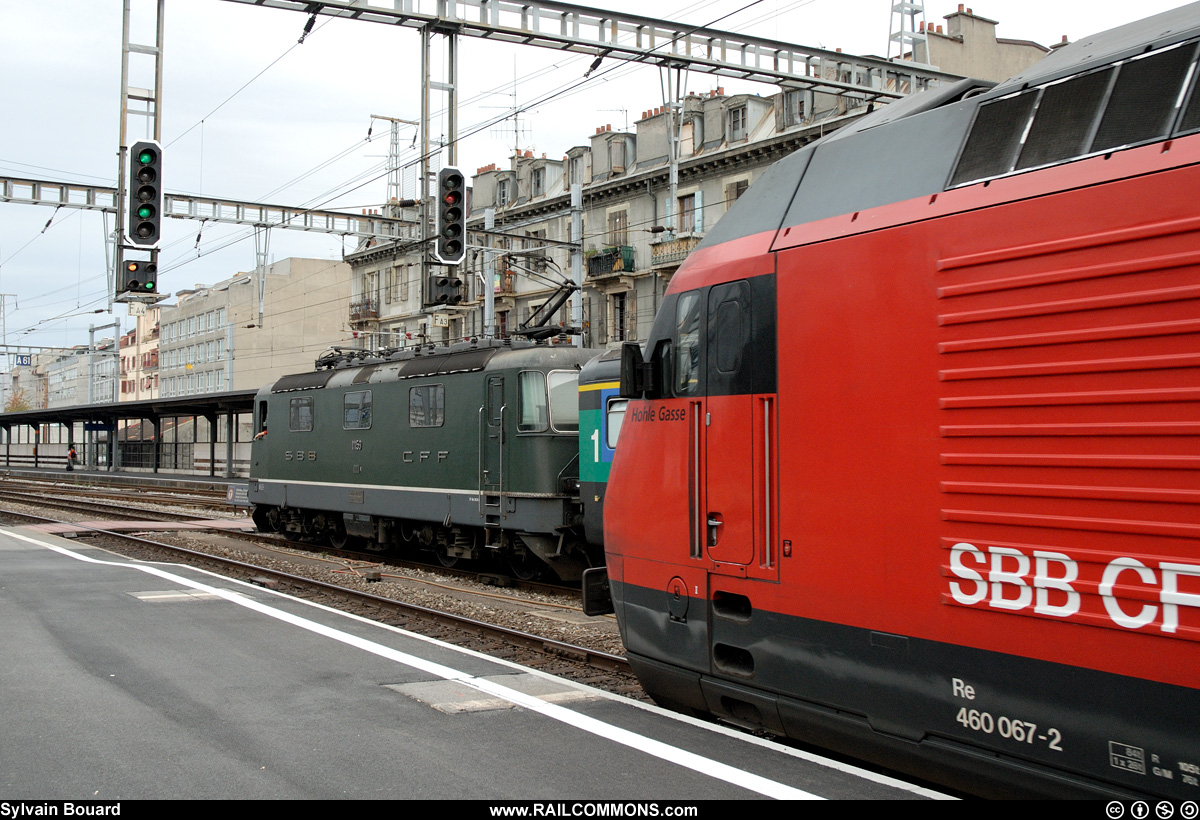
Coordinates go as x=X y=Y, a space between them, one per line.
x=1010 y=728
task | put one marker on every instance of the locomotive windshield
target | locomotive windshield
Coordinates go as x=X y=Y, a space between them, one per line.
x=559 y=408
x=564 y=400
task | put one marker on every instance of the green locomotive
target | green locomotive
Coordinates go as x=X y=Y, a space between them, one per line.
x=471 y=451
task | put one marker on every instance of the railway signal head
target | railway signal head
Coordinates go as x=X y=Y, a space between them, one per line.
x=450 y=244
x=138 y=277
x=445 y=289
x=143 y=195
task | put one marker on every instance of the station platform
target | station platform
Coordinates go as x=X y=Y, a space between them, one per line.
x=126 y=680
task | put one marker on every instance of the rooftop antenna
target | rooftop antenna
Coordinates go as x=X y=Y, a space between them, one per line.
x=517 y=130
x=624 y=112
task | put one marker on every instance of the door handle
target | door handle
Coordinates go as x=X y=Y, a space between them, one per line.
x=714 y=521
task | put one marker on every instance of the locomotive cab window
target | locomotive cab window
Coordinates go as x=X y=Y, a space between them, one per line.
x=300 y=415
x=540 y=410
x=687 y=374
x=356 y=410
x=427 y=405
x=564 y=400
x=533 y=414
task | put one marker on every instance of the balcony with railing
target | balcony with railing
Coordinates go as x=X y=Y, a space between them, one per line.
x=611 y=262
x=364 y=310
x=674 y=250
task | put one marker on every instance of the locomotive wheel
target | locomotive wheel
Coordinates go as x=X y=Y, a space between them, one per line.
x=444 y=557
x=339 y=539
x=527 y=566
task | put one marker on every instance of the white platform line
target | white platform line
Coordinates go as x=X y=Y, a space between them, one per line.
x=671 y=754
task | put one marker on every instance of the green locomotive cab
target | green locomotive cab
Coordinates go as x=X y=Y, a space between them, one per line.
x=470 y=451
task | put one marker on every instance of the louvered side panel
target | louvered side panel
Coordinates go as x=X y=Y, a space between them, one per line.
x=1070 y=427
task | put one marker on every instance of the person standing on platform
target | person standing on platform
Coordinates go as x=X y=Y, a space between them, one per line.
x=71 y=460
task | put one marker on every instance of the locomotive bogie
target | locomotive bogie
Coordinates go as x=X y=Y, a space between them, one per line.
x=442 y=449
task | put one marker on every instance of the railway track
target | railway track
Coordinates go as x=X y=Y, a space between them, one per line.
x=156 y=506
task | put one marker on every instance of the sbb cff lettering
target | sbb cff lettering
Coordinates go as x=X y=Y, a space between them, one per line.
x=1132 y=593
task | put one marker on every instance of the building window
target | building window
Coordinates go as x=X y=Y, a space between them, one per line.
x=616 y=155
x=539 y=181
x=537 y=249
x=793 y=108
x=618 y=228
x=502 y=193
x=734 y=191
x=618 y=304
x=691 y=213
x=575 y=171
x=737 y=123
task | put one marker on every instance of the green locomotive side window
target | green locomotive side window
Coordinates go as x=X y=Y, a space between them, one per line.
x=564 y=400
x=300 y=415
x=427 y=405
x=356 y=410
x=534 y=414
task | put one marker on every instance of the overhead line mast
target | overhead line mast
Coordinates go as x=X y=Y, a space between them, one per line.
x=610 y=34
x=133 y=276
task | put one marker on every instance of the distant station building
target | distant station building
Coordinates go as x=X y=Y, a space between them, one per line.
x=139 y=358
x=215 y=339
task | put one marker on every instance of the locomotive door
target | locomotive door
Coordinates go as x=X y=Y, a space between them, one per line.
x=737 y=431
x=491 y=446
x=728 y=429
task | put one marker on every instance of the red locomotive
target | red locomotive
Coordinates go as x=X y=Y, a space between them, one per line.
x=911 y=467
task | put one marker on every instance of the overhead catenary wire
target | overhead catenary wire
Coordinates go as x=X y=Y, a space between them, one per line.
x=366 y=177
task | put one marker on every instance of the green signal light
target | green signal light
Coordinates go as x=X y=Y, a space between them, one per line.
x=146 y=157
x=145 y=212
x=148 y=286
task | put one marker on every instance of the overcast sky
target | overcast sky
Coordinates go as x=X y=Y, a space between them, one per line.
x=60 y=98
